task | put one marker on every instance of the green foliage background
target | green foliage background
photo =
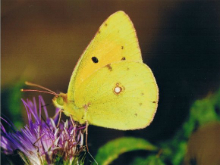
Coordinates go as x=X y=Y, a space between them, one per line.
x=172 y=151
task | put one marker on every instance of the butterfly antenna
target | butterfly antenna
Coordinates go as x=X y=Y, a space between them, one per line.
x=39 y=86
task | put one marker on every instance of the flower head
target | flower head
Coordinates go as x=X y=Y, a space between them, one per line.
x=41 y=140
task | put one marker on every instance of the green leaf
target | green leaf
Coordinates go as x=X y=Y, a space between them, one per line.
x=110 y=151
x=202 y=111
x=11 y=103
x=24 y=157
x=150 y=160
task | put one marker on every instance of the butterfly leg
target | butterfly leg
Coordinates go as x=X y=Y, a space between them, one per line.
x=60 y=113
x=71 y=118
x=87 y=125
x=34 y=144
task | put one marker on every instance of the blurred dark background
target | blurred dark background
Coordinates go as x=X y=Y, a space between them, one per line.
x=179 y=39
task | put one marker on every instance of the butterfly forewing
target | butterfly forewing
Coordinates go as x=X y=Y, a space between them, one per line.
x=115 y=40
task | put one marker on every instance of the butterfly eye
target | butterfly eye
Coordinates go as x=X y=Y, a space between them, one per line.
x=60 y=101
x=95 y=59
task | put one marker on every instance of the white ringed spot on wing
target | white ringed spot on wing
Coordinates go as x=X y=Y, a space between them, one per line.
x=118 y=88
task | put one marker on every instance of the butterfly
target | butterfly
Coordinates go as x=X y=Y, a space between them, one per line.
x=111 y=86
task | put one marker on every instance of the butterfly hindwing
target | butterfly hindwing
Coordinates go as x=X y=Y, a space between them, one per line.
x=121 y=95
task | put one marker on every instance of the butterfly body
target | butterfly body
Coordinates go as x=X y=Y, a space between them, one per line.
x=111 y=86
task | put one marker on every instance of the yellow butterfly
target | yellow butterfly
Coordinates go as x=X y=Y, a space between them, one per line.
x=110 y=85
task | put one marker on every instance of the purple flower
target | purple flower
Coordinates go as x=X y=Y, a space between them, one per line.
x=41 y=140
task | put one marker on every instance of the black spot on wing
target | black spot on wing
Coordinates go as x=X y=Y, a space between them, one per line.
x=123 y=58
x=95 y=60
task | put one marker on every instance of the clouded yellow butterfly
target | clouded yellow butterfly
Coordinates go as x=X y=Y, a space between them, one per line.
x=110 y=85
